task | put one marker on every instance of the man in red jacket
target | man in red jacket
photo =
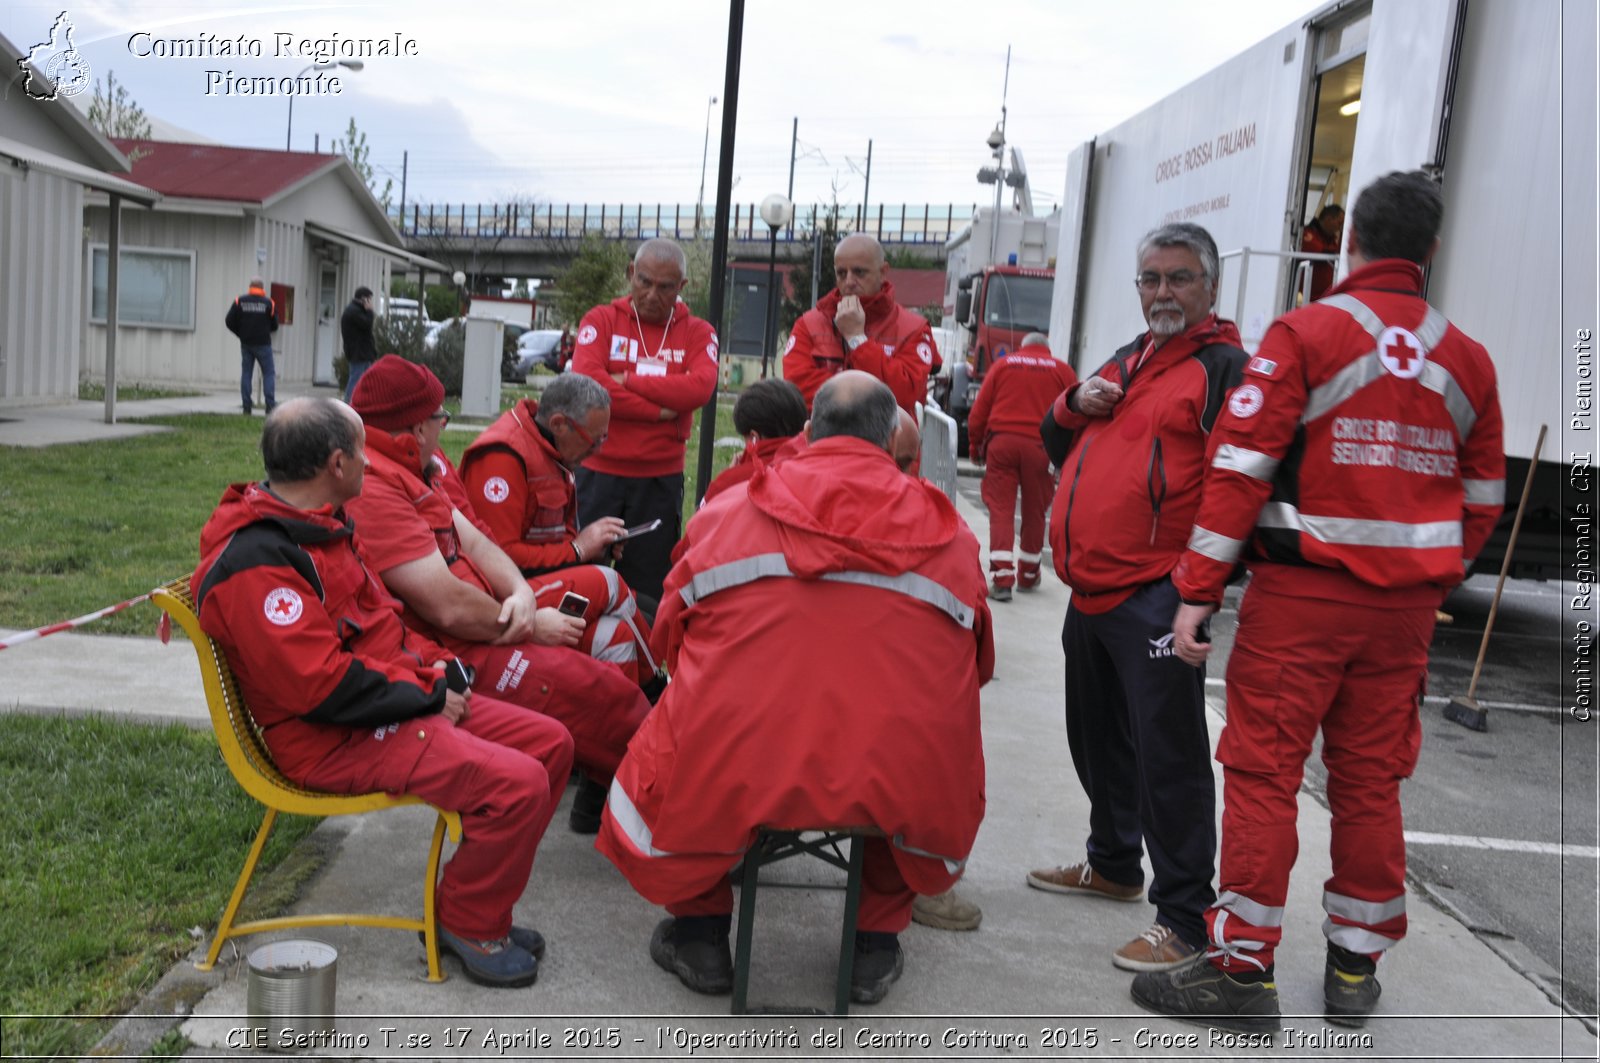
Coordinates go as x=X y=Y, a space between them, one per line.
x=460 y=588
x=351 y=700
x=518 y=476
x=1131 y=444
x=659 y=364
x=1358 y=471
x=859 y=325
x=835 y=552
x=1018 y=391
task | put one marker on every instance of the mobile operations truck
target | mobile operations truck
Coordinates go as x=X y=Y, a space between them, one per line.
x=1495 y=97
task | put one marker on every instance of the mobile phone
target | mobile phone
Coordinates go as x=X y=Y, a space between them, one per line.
x=638 y=529
x=458 y=676
x=573 y=604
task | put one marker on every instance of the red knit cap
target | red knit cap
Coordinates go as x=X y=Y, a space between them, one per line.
x=396 y=394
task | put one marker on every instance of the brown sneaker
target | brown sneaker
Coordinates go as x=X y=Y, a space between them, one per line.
x=946 y=911
x=1082 y=879
x=1157 y=949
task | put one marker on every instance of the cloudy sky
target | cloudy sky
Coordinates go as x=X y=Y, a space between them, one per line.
x=607 y=102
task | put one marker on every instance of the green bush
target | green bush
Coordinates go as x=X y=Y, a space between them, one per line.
x=404 y=335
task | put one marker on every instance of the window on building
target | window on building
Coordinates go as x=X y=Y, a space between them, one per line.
x=155 y=287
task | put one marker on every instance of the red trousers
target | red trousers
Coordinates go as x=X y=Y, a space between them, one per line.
x=616 y=633
x=885 y=897
x=502 y=768
x=1357 y=672
x=1016 y=462
x=595 y=701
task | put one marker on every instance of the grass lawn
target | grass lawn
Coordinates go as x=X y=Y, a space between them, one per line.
x=115 y=840
x=95 y=391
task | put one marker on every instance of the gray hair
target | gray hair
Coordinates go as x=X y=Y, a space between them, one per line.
x=300 y=435
x=1183 y=234
x=662 y=250
x=1035 y=339
x=863 y=410
x=573 y=394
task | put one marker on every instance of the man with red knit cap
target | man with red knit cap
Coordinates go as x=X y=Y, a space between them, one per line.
x=1018 y=391
x=460 y=588
x=658 y=362
x=859 y=325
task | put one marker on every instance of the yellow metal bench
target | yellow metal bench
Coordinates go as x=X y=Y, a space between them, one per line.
x=247 y=757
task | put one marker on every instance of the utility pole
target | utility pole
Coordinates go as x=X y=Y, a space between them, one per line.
x=866 y=193
x=405 y=159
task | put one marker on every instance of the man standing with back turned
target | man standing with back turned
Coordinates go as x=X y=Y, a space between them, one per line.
x=254 y=318
x=1130 y=483
x=1352 y=545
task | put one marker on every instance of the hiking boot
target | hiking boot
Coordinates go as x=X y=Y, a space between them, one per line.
x=588 y=801
x=877 y=966
x=946 y=911
x=699 y=957
x=1157 y=949
x=999 y=593
x=1350 y=988
x=1199 y=993
x=1084 y=880
x=1026 y=584
x=522 y=937
x=501 y=963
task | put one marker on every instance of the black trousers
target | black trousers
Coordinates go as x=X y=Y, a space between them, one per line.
x=1136 y=725
x=637 y=499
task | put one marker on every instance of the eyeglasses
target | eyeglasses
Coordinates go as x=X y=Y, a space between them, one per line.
x=588 y=440
x=1177 y=280
x=443 y=417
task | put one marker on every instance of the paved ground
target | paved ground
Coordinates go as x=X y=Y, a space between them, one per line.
x=1034 y=980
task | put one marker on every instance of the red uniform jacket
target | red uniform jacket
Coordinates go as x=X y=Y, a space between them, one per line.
x=670 y=367
x=827 y=633
x=1365 y=440
x=315 y=641
x=899 y=350
x=1017 y=392
x=1130 y=482
x=765 y=452
x=515 y=479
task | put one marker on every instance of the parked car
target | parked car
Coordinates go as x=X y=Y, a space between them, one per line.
x=397 y=306
x=538 y=347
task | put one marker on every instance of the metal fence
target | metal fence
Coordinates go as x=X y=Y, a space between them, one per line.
x=892 y=224
x=939 y=450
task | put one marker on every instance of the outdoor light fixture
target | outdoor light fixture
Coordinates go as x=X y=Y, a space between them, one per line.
x=353 y=65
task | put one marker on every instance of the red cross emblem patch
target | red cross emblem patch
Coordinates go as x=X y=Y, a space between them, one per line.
x=1401 y=352
x=283 y=606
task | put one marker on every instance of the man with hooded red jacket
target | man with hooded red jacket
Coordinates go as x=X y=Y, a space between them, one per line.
x=658 y=362
x=868 y=569
x=350 y=700
x=859 y=325
x=1131 y=444
x=1358 y=471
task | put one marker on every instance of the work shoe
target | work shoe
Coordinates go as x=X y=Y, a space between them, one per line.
x=522 y=937
x=1026 y=584
x=1197 y=992
x=1350 y=988
x=1157 y=949
x=701 y=961
x=946 y=911
x=877 y=966
x=999 y=593
x=502 y=963
x=588 y=801
x=1085 y=880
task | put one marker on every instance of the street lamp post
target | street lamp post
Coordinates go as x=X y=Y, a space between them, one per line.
x=349 y=64
x=776 y=211
x=460 y=279
x=705 y=153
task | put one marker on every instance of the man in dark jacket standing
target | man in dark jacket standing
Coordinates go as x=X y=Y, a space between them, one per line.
x=356 y=328
x=254 y=318
x=1131 y=444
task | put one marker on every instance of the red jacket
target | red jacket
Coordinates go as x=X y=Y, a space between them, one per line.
x=670 y=367
x=1017 y=392
x=315 y=641
x=764 y=453
x=1365 y=441
x=516 y=480
x=899 y=350
x=1130 y=482
x=827 y=633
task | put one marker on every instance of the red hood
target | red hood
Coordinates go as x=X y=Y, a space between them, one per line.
x=879 y=306
x=841 y=504
x=1394 y=273
x=245 y=504
x=404 y=451
x=763 y=451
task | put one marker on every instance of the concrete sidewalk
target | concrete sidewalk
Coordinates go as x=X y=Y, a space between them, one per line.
x=1036 y=979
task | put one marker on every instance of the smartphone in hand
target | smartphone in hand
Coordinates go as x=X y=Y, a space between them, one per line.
x=638 y=529
x=573 y=604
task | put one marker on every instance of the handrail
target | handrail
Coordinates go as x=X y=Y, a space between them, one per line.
x=1303 y=272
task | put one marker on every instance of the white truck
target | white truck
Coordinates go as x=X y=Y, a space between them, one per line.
x=1495 y=96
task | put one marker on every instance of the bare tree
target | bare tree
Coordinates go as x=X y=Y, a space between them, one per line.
x=113 y=112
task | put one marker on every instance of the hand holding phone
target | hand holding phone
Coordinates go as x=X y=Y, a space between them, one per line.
x=639 y=529
x=573 y=604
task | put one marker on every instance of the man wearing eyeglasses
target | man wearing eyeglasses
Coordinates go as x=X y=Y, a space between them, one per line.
x=1131 y=444
x=461 y=589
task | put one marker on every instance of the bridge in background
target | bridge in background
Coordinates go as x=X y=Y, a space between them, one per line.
x=498 y=240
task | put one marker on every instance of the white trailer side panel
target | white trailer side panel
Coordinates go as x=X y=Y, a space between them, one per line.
x=1074 y=208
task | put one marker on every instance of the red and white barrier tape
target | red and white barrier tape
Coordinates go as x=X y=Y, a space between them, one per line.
x=68 y=625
